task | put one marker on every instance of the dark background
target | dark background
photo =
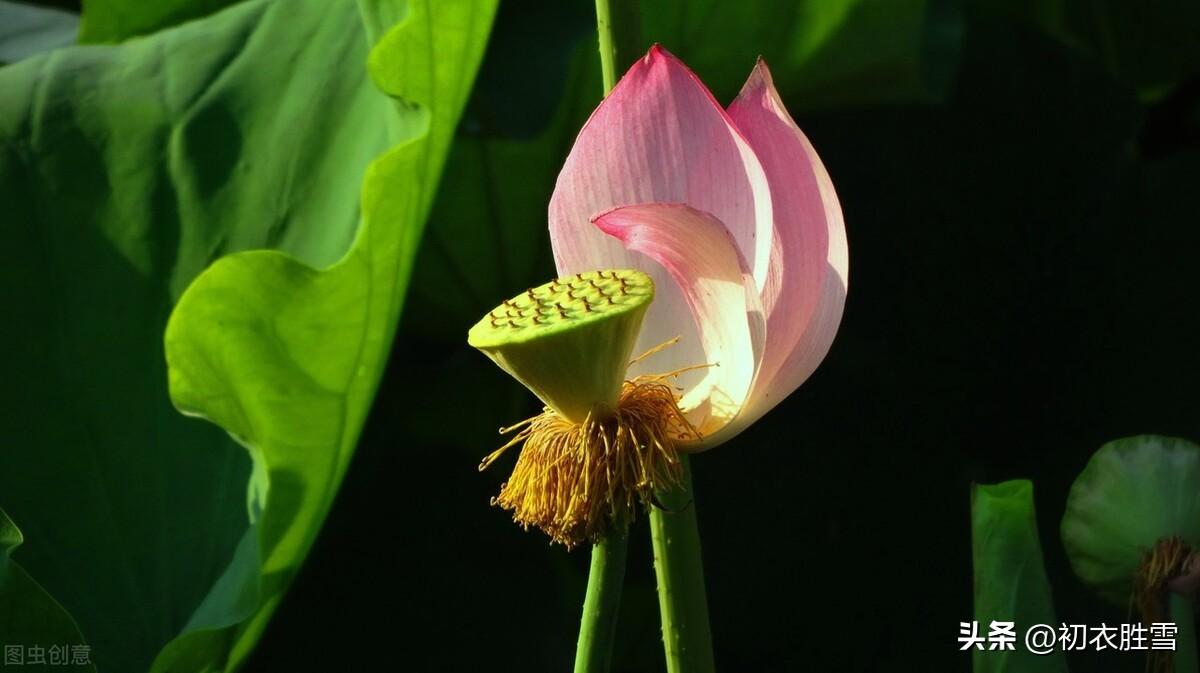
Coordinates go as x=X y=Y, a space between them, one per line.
x=1022 y=289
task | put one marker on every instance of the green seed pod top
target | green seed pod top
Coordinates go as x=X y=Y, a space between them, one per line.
x=569 y=340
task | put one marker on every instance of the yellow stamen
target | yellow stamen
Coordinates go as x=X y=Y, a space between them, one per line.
x=574 y=481
x=666 y=344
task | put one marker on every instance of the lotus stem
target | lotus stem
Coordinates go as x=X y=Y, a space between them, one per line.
x=620 y=33
x=594 y=652
x=1183 y=613
x=620 y=27
x=687 y=639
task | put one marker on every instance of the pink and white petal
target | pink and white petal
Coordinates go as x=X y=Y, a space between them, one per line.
x=659 y=137
x=806 y=285
x=702 y=259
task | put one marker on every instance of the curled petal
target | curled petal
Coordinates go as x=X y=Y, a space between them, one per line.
x=659 y=137
x=805 y=289
x=720 y=299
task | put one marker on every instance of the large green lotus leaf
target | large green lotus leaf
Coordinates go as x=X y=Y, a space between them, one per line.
x=30 y=617
x=1010 y=577
x=125 y=171
x=286 y=357
x=1133 y=492
x=116 y=20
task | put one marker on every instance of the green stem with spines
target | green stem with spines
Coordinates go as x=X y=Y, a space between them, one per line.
x=619 y=35
x=687 y=638
x=593 y=653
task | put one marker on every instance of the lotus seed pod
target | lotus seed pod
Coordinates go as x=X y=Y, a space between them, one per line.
x=569 y=341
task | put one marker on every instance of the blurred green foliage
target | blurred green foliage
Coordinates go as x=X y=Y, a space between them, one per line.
x=824 y=53
x=1150 y=46
x=28 y=615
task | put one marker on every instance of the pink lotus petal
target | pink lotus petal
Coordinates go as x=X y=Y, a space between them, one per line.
x=699 y=254
x=806 y=280
x=659 y=137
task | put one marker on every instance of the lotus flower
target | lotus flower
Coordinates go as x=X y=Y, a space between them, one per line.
x=735 y=218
